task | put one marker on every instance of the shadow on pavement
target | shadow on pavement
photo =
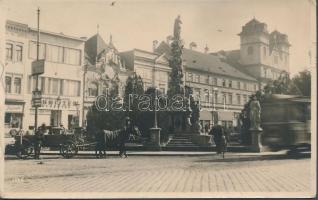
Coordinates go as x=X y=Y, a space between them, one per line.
x=231 y=158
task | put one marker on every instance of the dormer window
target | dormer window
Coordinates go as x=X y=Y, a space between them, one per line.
x=250 y=51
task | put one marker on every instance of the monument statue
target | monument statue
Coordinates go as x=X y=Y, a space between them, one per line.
x=177 y=27
x=255 y=114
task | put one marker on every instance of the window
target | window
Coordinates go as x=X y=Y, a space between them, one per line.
x=275 y=59
x=61 y=87
x=33 y=50
x=238 y=99
x=55 y=86
x=54 y=53
x=238 y=84
x=255 y=87
x=190 y=76
x=18 y=51
x=92 y=90
x=8 y=84
x=230 y=83
x=72 y=56
x=230 y=99
x=207 y=79
x=223 y=82
x=42 y=85
x=264 y=51
x=197 y=78
x=245 y=86
x=245 y=98
x=224 y=98
x=215 y=81
x=250 y=51
x=17 y=85
x=216 y=97
x=9 y=51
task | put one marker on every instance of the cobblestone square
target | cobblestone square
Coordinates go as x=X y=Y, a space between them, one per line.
x=207 y=175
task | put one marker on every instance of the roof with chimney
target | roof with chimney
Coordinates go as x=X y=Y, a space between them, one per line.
x=205 y=62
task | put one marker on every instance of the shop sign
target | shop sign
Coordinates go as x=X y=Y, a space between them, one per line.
x=14 y=108
x=38 y=67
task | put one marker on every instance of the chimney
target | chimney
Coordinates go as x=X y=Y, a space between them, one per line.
x=206 y=49
x=193 y=45
x=154 y=45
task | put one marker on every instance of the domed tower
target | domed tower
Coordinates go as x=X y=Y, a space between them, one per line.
x=263 y=55
x=254 y=42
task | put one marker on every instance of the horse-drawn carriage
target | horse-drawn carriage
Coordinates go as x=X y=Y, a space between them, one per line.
x=68 y=143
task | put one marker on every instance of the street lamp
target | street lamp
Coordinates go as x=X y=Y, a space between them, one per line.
x=77 y=113
x=85 y=68
x=58 y=102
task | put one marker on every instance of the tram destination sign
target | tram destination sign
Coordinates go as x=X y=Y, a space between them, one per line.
x=38 y=67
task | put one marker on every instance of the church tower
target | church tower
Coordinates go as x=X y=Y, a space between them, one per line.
x=263 y=55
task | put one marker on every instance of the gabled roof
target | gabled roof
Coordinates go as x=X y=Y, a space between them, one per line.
x=206 y=63
x=94 y=46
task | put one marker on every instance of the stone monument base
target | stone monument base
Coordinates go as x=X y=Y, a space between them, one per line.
x=155 y=139
x=256 y=145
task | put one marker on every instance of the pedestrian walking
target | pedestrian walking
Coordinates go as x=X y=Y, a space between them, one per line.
x=39 y=136
x=219 y=138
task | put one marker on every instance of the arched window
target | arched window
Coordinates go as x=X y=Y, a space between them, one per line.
x=250 y=51
x=92 y=89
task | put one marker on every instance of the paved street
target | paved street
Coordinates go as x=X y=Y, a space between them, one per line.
x=205 y=173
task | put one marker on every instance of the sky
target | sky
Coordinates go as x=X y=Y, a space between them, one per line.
x=137 y=23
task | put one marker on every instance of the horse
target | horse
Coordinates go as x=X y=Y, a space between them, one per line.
x=117 y=138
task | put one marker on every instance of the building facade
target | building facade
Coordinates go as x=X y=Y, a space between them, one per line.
x=104 y=69
x=221 y=89
x=152 y=67
x=61 y=83
x=262 y=54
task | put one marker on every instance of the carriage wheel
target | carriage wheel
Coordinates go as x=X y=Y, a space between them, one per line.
x=68 y=149
x=24 y=150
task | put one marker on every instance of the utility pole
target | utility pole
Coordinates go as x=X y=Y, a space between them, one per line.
x=37 y=76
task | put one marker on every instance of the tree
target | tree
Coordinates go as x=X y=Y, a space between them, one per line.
x=175 y=62
x=301 y=84
x=133 y=89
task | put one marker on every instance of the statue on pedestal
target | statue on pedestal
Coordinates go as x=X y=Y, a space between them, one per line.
x=177 y=27
x=255 y=114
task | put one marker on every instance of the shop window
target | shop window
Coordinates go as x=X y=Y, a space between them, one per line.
x=18 y=50
x=17 y=85
x=13 y=120
x=8 y=84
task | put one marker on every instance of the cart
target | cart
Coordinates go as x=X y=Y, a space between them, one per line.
x=68 y=143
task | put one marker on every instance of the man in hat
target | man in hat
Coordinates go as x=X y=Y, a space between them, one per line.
x=39 y=136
